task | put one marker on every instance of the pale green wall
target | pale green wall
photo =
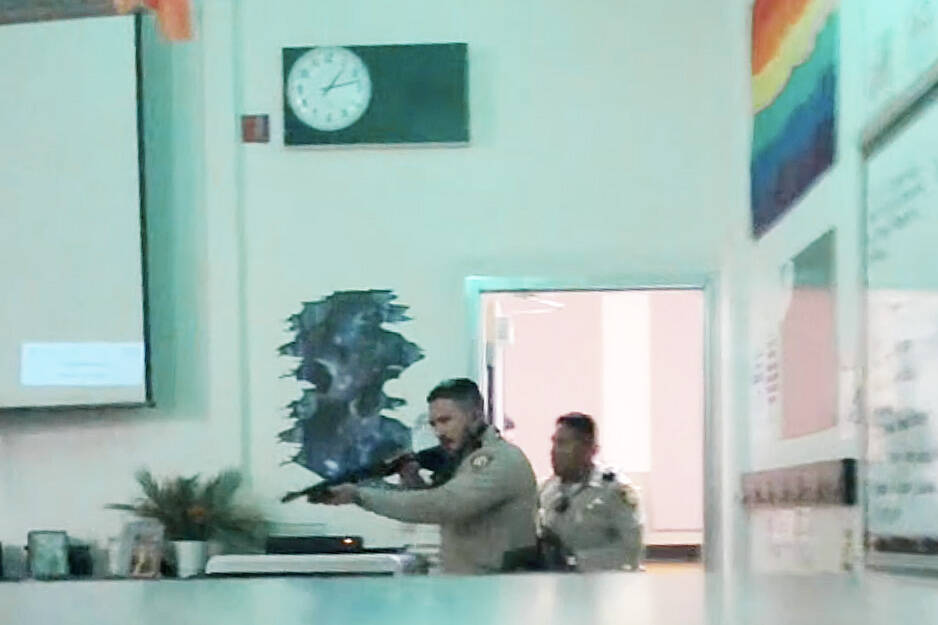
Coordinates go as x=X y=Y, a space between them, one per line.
x=598 y=142
x=602 y=145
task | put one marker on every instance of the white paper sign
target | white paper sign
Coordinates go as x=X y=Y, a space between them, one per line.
x=82 y=364
x=783 y=523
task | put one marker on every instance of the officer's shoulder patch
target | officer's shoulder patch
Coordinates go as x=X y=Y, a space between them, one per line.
x=480 y=461
x=609 y=476
x=628 y=494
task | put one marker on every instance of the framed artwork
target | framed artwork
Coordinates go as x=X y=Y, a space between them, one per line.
x=139 y=551
x=48 y=554
x=794 y=98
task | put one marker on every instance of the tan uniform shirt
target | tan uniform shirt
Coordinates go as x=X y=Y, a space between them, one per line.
x=487 y=509
x=598 y=520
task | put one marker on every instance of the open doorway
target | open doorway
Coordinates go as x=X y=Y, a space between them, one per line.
x=634 y=360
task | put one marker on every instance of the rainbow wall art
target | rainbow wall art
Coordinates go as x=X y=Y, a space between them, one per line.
x=794 y=97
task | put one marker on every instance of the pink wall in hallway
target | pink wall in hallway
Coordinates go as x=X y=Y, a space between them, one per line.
x=809 y=363
x=552 y=367
x=555 y=364
x=677 y=396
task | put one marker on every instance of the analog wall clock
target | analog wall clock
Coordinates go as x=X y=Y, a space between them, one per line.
x=397 y=94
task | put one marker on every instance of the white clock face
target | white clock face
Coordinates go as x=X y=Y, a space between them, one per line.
x=329 y=88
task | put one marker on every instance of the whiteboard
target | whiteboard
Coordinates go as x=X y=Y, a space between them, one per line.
x=72 y=329
x=901 y=389
x=900 y=46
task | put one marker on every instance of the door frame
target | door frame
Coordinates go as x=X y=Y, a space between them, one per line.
x=715 y=518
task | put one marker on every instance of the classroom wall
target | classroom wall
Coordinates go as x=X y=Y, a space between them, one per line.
x=751 y=271
x=585 y=159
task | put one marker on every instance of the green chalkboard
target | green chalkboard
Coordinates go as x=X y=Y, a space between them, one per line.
x=418 y=95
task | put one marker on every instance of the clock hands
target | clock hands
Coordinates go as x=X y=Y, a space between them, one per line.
x=331 y=86
x=335 y=84
x=334 y=80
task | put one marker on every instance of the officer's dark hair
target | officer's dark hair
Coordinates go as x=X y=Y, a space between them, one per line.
x=581 y=423
x=463 y=391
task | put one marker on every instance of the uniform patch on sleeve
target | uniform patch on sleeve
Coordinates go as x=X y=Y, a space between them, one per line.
x=628 y=494
x=481 y=461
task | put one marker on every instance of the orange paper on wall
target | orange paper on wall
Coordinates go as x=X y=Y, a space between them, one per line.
x=174 y=16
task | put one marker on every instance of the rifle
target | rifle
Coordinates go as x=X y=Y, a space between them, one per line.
x=434 y=459
x=319 y=493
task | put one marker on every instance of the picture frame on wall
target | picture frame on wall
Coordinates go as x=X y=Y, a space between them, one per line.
x=795 y=72
x=48 y=554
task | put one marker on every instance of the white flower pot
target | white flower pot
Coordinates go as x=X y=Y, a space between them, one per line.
x=191 y=556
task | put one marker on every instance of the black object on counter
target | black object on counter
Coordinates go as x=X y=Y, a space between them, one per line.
x=79 y=560
x=292 y=545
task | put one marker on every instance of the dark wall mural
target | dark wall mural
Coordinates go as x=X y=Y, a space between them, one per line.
x=347 y=354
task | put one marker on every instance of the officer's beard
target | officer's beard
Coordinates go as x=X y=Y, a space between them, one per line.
x=472 y=440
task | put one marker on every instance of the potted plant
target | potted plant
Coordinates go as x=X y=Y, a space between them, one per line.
x=193 y=512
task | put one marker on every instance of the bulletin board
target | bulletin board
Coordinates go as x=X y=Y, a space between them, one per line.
x=901 y=327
